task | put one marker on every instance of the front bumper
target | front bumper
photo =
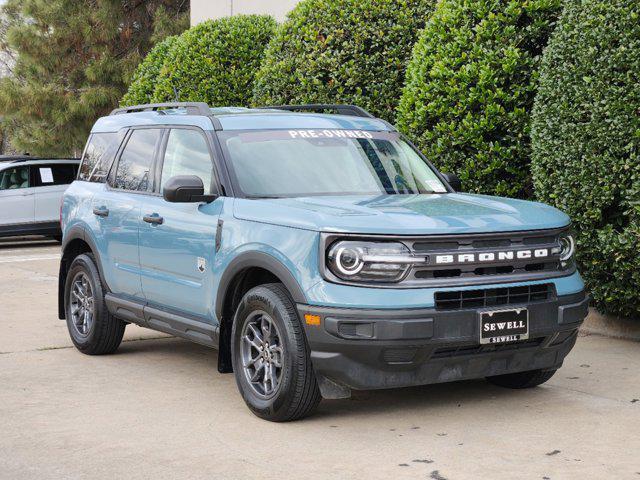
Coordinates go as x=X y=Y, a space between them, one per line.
x=366 y=349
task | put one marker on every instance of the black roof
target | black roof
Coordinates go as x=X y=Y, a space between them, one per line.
x=28 y=158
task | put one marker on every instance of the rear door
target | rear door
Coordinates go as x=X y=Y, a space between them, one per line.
x=50 y=181
x=16 y=196
x=116 y=210
x=177 y=255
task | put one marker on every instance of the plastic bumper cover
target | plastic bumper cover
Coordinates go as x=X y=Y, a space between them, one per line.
x=366 y=349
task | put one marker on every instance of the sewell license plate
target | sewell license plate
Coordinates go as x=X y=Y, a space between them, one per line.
x=501 y=326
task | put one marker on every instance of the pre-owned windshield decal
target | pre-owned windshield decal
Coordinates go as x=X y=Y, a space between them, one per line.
x=320 y=134
x=330 y=134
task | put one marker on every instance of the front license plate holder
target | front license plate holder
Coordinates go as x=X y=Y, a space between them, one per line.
x=504 y=326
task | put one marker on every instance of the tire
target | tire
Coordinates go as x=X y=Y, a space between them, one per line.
x=103 y=332
x=293 y=391
x=529 y=379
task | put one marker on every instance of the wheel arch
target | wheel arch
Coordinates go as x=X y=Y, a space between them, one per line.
x=246 y=271
x=76 y=241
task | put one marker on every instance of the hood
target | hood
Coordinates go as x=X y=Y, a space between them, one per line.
x=432 y=214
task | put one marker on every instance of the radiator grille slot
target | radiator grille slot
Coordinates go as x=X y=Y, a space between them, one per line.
x=463 y=299
x=400 y=355
x=450 y=352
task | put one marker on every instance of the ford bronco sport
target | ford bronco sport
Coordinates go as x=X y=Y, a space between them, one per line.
x=320 y=253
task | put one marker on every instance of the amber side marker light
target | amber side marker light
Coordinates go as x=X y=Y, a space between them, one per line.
x=312 y=319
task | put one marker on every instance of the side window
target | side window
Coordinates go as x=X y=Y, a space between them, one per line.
x=187 y=154
x=136 y=161
x=14 y=178
x=55 y=174
x=97 y=157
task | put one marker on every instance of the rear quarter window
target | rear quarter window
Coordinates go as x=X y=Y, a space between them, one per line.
x=53 y=174
x=98 y=156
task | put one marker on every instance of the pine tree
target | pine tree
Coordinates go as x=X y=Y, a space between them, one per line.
x=74 y=60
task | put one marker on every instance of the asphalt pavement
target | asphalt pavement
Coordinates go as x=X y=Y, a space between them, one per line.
x=159 y=409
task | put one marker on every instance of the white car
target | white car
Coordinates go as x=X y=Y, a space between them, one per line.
x=30 y=193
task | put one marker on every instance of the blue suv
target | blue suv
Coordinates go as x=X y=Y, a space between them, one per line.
x=318 y=252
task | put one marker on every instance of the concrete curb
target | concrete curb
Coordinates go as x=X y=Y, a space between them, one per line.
x=597 y=323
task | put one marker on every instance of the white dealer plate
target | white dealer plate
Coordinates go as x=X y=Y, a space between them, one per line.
x=502 y=326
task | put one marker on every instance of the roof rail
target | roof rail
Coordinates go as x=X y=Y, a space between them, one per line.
x=17 y=158
x=352 y=110
x=193 y=108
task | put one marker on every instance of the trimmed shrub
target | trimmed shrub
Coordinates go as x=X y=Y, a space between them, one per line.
x=146 y=75
x=586 y=142
x=216 y=61
x=470 y=88
x=342 y=51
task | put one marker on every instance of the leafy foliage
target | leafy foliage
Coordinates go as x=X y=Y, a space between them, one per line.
x=73 y=61
x=342 y=51
x=146 y=75
x=216 y=61
x=470 y=88
x=586 y=142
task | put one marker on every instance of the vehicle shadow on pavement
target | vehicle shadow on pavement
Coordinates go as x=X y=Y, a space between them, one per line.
x=426 y=399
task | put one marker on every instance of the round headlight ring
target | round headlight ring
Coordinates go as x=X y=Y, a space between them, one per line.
x=567 y=247
x=349 y=261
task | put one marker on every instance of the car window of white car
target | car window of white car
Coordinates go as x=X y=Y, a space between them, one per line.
x=53 y=174
x=14 y=178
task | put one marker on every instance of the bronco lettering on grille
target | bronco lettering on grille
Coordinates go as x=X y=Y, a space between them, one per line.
x=493 y=257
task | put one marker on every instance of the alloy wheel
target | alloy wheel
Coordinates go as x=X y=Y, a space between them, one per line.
x=82 y=304
x=262 y=354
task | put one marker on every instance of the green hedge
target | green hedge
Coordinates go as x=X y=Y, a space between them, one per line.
x=146 y=75
x=342 y=51
x=215 y=61
x=586 y=142
x=470 y=88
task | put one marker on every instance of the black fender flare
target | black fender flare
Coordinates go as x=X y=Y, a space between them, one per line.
x=77 y=232
x=260 y=260
x=250 y=259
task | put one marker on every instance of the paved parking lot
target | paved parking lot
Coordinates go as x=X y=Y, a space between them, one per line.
x=159 y=409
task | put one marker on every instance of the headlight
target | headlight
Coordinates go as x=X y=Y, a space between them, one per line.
x=567 y=247
x=370 y=261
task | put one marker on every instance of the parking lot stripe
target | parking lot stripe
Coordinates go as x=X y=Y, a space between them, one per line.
x=28 y=259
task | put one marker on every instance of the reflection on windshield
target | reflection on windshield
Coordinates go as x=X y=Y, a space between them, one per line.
x=291 y=163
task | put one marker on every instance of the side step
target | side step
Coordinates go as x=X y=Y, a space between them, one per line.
x=146 y=316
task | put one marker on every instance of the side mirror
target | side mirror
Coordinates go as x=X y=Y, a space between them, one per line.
x=453 y=180
x=186 y=189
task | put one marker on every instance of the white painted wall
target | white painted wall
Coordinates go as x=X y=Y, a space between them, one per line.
x=205 y=9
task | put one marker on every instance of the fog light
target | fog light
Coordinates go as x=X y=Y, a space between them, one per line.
x=312 y=319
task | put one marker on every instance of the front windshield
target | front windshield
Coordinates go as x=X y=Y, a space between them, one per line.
x=295 y=163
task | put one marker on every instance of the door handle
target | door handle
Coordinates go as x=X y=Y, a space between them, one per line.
x=155 y=219
x=101 y=212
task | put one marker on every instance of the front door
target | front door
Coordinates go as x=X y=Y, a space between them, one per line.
x=16 y=197
x=177 y=243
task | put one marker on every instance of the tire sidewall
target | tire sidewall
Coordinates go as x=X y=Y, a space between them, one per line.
x=84 y=264
x=261 y=298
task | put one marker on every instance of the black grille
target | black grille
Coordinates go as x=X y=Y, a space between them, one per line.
x=485 y=244
x=449 y=352
x=489 y=297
